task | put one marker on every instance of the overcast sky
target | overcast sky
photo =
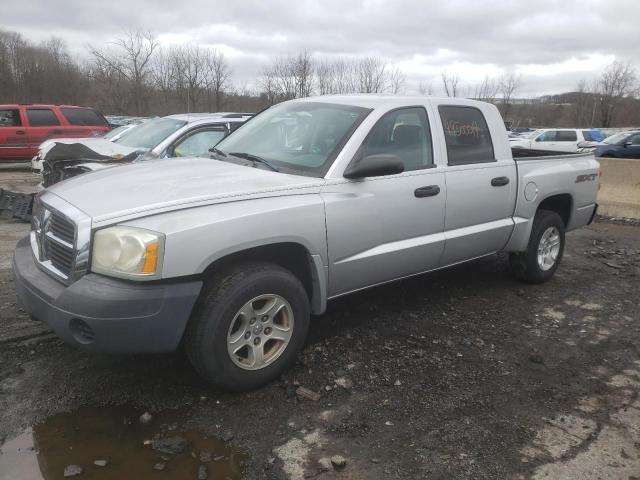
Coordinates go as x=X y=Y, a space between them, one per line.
x=553 y=44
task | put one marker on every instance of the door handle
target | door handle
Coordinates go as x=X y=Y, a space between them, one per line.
x=19 y=132
x=499 y=181
x=428 y=191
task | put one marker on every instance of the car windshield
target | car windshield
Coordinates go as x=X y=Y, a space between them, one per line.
x=150 y=133
x=296 y=137
x=618 y=138
x=115 y=131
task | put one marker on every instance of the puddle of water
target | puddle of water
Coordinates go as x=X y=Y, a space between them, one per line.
x=116 y=435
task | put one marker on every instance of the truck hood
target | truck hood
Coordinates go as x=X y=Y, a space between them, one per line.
x=156 y=186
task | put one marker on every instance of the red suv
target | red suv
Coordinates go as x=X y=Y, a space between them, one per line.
x=24 y=127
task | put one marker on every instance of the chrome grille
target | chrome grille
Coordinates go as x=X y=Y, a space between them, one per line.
x=57 y=230
x=62 y=228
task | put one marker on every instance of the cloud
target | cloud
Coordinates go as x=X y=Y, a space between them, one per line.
x=552 y=43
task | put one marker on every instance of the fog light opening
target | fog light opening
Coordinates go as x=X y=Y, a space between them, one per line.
x=81 y=331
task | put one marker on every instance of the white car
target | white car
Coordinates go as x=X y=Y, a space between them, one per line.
x=156 y=136
x=113 y=136
x=554 y=139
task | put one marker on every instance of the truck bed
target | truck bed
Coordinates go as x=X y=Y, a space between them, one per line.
x=531 y=154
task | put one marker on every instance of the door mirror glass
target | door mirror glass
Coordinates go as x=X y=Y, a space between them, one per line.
x=375 y=166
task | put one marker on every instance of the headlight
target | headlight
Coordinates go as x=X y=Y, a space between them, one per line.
x=128 y=252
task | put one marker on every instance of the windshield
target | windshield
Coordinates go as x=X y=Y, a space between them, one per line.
x=618 y=138
x=299 y=137
x=115 y=131
x=150 y=133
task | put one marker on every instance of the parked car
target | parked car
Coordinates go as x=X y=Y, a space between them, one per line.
x=621 y=145
x=311 y=200
x=122 y=120
x=555 y=139
x=172 y=136
x=24 y=127
x=112 y=135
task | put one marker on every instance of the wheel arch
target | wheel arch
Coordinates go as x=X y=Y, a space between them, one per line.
x=561 y=203
x=293 y=256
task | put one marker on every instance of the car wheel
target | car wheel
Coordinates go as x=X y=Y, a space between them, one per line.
x=545 y=249
x=248 y=326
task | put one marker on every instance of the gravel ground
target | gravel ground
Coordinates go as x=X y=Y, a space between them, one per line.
x=463 y=373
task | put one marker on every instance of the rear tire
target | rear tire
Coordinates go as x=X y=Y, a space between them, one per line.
x=544 y=252
x=258 y=310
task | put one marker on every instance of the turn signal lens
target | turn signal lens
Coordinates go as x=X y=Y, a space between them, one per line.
x=150 y=258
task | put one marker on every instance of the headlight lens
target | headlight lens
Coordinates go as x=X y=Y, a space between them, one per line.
x=128 y=252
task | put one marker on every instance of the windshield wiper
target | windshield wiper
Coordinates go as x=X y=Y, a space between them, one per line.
x=256 y=159
x=218 y=151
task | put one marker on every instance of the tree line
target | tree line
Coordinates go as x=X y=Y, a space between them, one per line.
x=135 y=75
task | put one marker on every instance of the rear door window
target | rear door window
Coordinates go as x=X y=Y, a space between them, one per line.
x=566 y=136
x=83 y=117
x=42 y=117
x=467 y=135
x=10 y=117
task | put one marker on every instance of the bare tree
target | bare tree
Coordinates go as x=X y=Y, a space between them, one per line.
x=510 y=83
x=164 y=68
x=396 y=80
x=218 y=76
x=425 y=88
x=617 y=81
x=302 y=66
x=326 y=77
x=130 y=57
x=487 y=90
x=584 y=104
x=450 y=83
x=372 y=74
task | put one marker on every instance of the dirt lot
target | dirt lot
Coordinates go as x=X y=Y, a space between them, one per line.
x=464 y=373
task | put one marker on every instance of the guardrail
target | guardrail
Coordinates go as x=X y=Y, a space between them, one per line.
x=619 y=194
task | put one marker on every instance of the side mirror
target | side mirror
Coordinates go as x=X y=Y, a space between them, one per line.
x=171 y=151
x=374 y=166
x=627 y=144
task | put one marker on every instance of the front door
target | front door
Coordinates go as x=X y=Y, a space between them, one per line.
x=13 y=138
x=388 y=227
x=632 y=147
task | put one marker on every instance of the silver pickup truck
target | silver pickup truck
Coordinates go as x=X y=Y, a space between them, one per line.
x=308 y=201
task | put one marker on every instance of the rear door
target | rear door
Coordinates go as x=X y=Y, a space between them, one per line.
x=43 y=124
x=481 y=187
x=13 y=138
x=567 y=140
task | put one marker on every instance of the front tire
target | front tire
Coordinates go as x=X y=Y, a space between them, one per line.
x=545 y=249
x=248 y=326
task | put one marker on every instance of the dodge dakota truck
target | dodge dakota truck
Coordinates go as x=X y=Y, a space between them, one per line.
x=312 y=199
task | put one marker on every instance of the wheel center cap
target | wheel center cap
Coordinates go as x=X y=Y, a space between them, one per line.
x=257 y=329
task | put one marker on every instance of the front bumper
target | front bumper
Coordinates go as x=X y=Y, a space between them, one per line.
x=103 y=314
